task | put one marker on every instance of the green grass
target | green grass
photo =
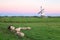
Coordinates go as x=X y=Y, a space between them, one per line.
x=41 y=28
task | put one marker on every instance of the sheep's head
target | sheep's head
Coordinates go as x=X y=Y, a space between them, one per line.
x=11 y=27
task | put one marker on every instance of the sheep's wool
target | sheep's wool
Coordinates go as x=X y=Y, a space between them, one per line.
x=28 y=28
x=20 y=34
x=12 y=28
x=18 y=29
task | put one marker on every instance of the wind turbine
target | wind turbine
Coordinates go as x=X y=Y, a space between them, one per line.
x=42 y=10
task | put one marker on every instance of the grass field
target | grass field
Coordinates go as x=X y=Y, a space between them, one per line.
x=41 y=28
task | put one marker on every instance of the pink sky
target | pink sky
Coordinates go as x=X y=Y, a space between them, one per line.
x=29 y=6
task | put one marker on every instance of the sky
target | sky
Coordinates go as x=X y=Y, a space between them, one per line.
x=29 y=7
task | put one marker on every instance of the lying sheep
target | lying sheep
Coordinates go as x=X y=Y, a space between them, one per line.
x=20 y=34
x=22 y=28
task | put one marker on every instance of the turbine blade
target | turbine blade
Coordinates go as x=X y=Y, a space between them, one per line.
x=39 y=12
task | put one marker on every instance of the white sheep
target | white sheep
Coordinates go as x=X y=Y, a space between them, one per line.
x=22 y=28
x=20 y=34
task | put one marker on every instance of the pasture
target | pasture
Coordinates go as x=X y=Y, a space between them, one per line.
x=41 y=28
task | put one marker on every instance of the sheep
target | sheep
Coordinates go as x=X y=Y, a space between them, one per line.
x=20 y=34
x=12 y=28
x=22 y=28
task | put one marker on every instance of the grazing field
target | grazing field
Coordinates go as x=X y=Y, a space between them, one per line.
x=41 y=28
